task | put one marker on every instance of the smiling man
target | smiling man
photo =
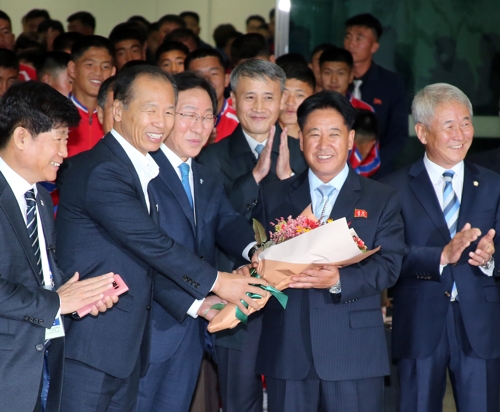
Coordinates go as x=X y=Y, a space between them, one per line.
x=91 y=63
x=185 y=188
x=256 y=153
x=109 y=217
x=129 y=40
x=328 y=347
x=446 y=304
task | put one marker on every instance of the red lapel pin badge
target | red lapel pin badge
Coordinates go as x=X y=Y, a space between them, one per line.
x=360 y=213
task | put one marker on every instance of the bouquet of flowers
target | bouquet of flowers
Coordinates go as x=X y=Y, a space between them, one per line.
x=297 y=244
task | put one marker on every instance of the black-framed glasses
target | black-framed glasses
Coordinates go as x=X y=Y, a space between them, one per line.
x=191 y=118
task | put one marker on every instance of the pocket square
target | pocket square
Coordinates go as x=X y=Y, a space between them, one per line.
x=360 y=213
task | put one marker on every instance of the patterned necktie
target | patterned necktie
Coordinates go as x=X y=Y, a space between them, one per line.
x=451 y=207
x=185 y=181
x=259 y=148
x=357 y=89
x=324 y=208
x=32 y=226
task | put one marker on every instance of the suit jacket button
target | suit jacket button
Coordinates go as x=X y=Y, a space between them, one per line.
x=197 y=285
x=26 y=317
x=255 y=202
x=31 y=318
x=184 y=278
x=202 y=258
x=39 y=347
x=40 y=321
x=148 y=307
x=248 y=207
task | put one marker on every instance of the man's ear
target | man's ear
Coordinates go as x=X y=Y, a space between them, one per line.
x=113 y=72
x=45 y=78
x=20 y=136
x=375 y=47
x=301 y=140
x=272 y=59
x=226 y=80
x=350 y=141
x=233 y=99
x=284 y=96
x=421 y=131
x=117 y=110
x=72 y=70
x=100 y=114
x=144 y=49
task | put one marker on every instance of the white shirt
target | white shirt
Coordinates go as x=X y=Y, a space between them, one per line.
x=145 y=166
x=435 y=173
x=20 y=186
x=253 y=143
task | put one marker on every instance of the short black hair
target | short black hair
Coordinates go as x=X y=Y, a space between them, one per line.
x=139 y=19
x=50 y=24
x=8 y=59
x=65 y=40
x=180 y=34
x=326 y=99
x=5 y=16
x=169 y=46
x=321 y=48
x=171 y=18
x=84 y=17
x=302 y=73
x=222 y=34
x=133 y=63
x=189 y=80
x=106 y=86
x=249 y=46
x=366 y=20
x=192 y=14
x=127 y=31
x=35 y=106
x=255 y=17
x=126 y=78
x=36 y=13
x=200 y=54
x=366 y=123
x=50 y=62
x=291 y=59
x=336 y=54
x=27 y=41
x=272 y=13
x=85 y=43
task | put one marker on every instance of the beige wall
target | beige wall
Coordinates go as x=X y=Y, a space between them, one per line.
x=108 y=13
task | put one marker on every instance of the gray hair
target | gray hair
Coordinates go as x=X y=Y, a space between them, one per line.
x=426 y=100
x=258 y=69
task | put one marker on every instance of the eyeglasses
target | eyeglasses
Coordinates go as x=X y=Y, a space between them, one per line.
x=191 y=118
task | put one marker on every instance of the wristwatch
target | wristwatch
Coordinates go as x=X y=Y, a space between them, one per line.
x=335 y=289
x=252 y=250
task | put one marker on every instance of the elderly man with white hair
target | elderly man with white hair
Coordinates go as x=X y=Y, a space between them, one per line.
x=446 y=304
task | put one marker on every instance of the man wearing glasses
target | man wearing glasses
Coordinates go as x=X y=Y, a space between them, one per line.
x=195 y=212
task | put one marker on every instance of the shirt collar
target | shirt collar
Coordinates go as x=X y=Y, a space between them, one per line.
x=252 y=142
x=142 y=164
x=17 y=183
x=337 y=182
x=436 y=172
x=80 y=105
x=174 y=160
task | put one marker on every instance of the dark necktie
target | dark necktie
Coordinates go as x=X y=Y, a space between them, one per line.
x=32 y=226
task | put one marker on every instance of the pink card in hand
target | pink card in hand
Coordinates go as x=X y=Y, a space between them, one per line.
x=118 y=288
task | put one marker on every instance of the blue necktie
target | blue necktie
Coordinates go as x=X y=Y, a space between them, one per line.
x=451 y=208
x=259 y=148
x=324 y=208
x=185 y=181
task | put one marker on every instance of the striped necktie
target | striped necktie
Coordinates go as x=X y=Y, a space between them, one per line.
x=32 y=227
x=451 y=208
x=185 y=181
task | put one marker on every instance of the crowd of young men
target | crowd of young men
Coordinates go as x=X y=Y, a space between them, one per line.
x=163 y=150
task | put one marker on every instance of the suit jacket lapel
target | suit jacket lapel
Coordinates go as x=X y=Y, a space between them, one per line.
x=347 y=198
x=421 y=186
x=470 y=192
x=171 y=179
x=240 y=151
x=201 y=194
x=300 y=196
x=118 y=151
x=9 y=205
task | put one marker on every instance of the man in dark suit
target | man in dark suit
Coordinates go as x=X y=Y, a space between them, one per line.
x=198 y=219
x=108 y=218
x=328 y=347
x=446 y=304
x=34 y=120
x=382 y=89
x=257 y=153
